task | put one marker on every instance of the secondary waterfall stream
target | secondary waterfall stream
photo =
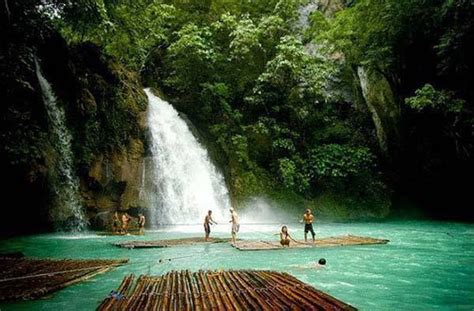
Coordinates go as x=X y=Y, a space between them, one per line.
x=185 y=184
x=66 y=210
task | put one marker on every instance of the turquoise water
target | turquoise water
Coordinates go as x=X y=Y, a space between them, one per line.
x=426 y=265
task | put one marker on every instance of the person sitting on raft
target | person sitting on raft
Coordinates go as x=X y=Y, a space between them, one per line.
x=285 y=237
x=208 y=221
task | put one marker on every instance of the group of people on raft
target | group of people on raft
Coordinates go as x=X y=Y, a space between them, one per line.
x=122 y=226
x=234 y=220
x=285 y=236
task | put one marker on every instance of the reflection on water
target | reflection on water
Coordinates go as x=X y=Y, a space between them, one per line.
x=427 y=265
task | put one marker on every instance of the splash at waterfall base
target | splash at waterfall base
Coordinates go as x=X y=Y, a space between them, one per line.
x=183 y=182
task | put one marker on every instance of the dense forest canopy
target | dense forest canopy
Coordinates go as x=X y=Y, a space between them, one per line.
x=278 y=93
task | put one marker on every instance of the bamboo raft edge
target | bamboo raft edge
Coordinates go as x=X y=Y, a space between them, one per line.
x=169 y=243
x=347 y=240
x=219 y=290
x=33 y=278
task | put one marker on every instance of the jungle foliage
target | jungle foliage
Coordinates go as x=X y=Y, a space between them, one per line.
x=278 y=97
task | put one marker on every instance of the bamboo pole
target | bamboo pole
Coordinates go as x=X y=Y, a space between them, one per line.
x=207 y=290
x=215 y=291
x=187 y=289
x=238 y=299
x=248 y=286
x=197 y=299
x=224 y=290
x=159 y=291
x=166 y=298
x=228 y=290
x=273 y=301
x=317 y=293
x=134 y=294
x=243 y=291
x=288 y=290
x=109 y=301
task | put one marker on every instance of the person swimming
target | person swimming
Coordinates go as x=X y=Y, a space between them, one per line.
x=320 y=264
x=285 y=237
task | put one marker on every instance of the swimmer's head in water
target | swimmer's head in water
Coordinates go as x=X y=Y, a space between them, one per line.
x=308 y=211
x=322 y=261
x=284 y=229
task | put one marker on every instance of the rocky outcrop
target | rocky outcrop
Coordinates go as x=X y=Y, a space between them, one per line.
x=105 y=111
x=383 y=107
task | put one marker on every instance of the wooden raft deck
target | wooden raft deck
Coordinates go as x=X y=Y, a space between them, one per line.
x=24 y=279
x=219 y=290
x=169 y=243
x=256 y=245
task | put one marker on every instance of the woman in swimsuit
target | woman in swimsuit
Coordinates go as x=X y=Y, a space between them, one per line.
x=285 y=237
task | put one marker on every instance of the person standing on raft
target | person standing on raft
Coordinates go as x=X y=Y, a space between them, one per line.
x=308 y=225
x=116 y=223
x=235 y=224
x=125 y=221
x=208 y=221
x=141 y=223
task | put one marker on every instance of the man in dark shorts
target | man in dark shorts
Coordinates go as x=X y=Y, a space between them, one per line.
x=208 y=221
x=308 y=225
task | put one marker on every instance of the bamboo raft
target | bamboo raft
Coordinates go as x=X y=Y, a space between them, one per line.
x=219 y=290
x=25 y=279
x=169 y=243
x=257 y=245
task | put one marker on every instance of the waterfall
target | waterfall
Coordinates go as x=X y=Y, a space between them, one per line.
x=184 y=181
x=66 y=210
x=305 y=11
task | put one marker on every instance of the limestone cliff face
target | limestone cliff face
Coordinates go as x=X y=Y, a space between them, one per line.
x=110 y=134
x=115 y=182
x=383 y=107
x=105 y=109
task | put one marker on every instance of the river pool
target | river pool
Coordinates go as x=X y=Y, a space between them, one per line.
x=426 y=266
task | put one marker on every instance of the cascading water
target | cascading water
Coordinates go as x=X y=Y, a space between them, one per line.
x=185 y=182
x=66 y=211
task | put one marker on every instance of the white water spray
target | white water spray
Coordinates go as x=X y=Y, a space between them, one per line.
x=66 y=211
x=185 y=184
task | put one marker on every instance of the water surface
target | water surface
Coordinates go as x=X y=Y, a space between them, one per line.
x=426 y=265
